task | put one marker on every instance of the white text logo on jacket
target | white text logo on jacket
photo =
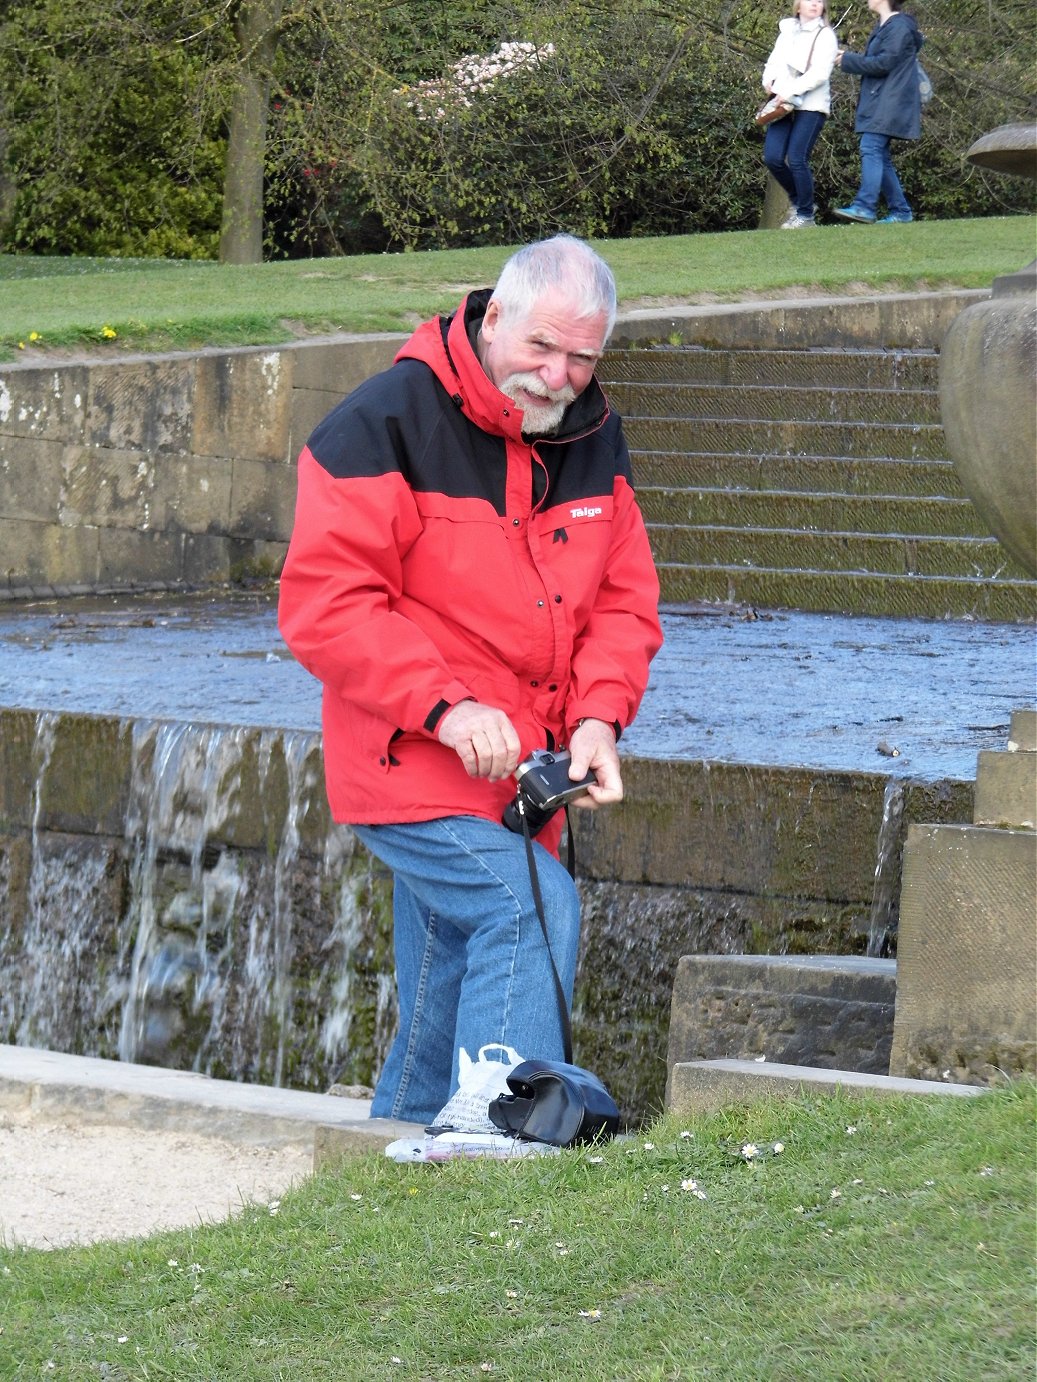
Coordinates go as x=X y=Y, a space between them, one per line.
x=584 y=513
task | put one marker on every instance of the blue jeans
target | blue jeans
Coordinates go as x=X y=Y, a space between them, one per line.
x=879 y=177
x=787 y=145
x=472 y=968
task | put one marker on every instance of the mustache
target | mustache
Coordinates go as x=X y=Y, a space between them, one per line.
x=532 y=384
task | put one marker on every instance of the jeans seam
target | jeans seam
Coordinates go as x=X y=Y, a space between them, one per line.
x=407 y=1067
x=516 y=919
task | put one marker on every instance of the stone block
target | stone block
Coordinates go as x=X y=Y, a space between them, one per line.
x=18 y=767
x=141 y=404
x=1006 y=789
x=1022 y=736
x=335 y=367
x=129 y=557
x=46 y=554
x=834 y=1012
x=242 y=404
x=30 y=479
x=702 y=1087
x=967 y=955
x=48 y=404
x=262 y=499
x=134 y=489
x=205 y=558
x=82 y=765
x=309 y=407
x=785 y=832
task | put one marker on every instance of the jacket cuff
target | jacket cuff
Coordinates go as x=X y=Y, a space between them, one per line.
x=617 y=728
x=432 y=719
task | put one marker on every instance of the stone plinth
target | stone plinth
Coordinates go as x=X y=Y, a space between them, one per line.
x=966 y=1006
x=826 y=1011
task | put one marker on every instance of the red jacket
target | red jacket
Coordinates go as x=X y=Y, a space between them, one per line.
x=437 y=555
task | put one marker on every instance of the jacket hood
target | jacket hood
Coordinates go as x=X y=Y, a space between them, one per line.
x=912 y=24
x=444 y=344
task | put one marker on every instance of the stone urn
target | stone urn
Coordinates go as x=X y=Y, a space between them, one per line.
x=988 y=380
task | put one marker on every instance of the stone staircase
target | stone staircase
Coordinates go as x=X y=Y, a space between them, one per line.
x=812 y=479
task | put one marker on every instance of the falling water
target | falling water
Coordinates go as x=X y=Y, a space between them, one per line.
x=223 y=926
x=182 y=784
x=59 y=920
x=885 y=895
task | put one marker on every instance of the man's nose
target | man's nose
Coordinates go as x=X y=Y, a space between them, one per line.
x=554 y=372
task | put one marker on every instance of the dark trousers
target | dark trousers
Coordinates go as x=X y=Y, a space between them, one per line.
x=786 y=151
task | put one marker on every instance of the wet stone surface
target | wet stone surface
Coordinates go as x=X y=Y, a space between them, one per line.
x=907 y=697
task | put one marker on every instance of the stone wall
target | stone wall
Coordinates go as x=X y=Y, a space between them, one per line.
x=164 y=470
x=152 y=471
x=177 y=893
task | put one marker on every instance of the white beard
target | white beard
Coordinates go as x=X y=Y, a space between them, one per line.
x=538 y=419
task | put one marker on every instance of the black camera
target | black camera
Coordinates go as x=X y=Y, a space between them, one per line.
x=544 y=785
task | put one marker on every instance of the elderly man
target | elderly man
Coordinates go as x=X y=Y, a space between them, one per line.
x=470 y=579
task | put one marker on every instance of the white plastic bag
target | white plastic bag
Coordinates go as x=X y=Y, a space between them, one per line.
x=455 y=1146
x=479 y=1083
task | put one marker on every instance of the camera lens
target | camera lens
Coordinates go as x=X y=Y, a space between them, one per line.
x=535 y=818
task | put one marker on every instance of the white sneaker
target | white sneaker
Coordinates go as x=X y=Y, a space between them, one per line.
x=798 y=222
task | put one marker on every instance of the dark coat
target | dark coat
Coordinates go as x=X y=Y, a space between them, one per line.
x=889 y=102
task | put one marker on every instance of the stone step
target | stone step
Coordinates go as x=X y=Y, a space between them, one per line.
x=810 y=474
x=870 y=369
x=53 y=1084
x=832 y=513
x=754 y=437
x=775 y=403
x=700 y=1087
x=907 y=597
x=818 y=1010
x=794 y=549
x=815 y=479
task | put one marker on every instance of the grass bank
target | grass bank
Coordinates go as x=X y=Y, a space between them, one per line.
x=824 y=1238
x=157 y=305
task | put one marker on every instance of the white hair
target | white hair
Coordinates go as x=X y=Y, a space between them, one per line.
x=563 y=262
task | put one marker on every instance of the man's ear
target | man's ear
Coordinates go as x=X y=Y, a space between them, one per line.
x=491 y=318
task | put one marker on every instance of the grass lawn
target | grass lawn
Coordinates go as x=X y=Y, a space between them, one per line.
x=844 y=1237
x=149 y=304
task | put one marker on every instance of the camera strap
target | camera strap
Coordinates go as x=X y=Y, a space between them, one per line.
x=538 y=903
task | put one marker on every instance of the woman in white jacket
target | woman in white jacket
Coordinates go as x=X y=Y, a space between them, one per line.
x=799 y=69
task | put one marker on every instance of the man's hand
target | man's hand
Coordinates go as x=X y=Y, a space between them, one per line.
x=593 y=749
x=482 y=737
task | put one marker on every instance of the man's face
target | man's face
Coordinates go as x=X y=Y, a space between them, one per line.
x=544 y=360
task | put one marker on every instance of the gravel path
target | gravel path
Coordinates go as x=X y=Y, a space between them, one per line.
x=62 y=1184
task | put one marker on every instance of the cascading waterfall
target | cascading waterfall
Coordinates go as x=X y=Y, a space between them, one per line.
x=56 y=935
x=181 y=789
x=219 y=927
x=886 y=894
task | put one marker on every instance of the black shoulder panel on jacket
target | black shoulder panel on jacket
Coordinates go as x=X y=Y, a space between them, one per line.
x=404 y=420
x=585 y=467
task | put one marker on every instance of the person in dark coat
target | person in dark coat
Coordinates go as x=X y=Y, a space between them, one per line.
x=889 y=107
